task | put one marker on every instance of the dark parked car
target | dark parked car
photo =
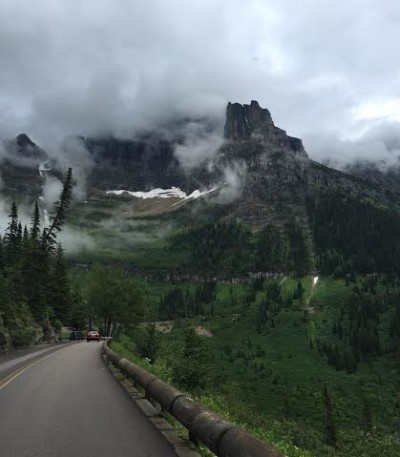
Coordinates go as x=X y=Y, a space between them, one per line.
x=76 y=335
x=93 y=336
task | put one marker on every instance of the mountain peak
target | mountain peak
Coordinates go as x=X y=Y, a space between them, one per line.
x=23 y=146
x=23 y=140
x=245 y=122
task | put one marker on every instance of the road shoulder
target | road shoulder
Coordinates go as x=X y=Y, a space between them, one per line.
x=182 y=447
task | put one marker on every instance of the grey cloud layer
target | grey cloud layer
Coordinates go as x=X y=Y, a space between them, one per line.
x=101 y=66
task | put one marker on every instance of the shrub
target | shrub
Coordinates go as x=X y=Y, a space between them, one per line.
x=23 y=337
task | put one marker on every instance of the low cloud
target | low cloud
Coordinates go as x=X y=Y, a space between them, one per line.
x=234 y=180
x=74 y=240
x=24 y=215
x=378 y=143
x=106 y=67
x=51 y=190
x=199 y=145
x=131 y=232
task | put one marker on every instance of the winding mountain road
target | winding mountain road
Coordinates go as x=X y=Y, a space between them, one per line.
x=63 y=402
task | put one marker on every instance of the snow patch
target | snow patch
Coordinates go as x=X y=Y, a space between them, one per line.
x=174 y=192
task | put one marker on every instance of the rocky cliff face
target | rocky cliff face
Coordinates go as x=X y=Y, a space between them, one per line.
x=141 y=164
x=20 y=166
x=268 y=166
x=278 y=177
x=251 y=122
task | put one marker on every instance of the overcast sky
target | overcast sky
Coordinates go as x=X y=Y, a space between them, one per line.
x=328 y=71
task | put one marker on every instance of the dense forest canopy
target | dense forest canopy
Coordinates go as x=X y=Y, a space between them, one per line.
x=354 y=236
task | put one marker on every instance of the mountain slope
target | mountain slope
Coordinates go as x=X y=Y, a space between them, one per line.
x=260 y=178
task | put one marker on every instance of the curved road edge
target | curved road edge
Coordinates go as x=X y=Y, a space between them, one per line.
x=13 y=364
x=182 y=447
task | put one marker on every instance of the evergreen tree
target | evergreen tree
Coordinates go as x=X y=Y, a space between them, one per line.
x=330 y=429
x=147 y=341
x=49 y=237
x=25 y=236
x=11 y=235
x=272 y=250
x=2 y=256
x=19 y=234
x=262 y=315
x=366 y=416
x=299 y=292
x=35 y=223
x=189 y=368
x=60 y=293
x=300 y=257
x=172 y=305
x=286 y=409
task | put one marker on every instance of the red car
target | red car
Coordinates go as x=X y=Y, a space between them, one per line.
x=93 y=336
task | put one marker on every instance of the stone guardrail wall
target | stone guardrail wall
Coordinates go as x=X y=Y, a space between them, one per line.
x=223 y=438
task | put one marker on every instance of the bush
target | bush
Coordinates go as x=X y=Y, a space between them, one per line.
x=23 y=337
x=57 y=325
x=189 y=367
x=147 y=341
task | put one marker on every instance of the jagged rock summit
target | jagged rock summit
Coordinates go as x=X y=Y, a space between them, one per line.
x=23 y=146
x=24 y=141
x=263 y=159
x=244 y=122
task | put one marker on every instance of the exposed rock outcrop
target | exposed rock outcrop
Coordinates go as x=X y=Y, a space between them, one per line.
x=19 y=167
x=49 y=333
x=245 y=122
x=276 y=166
x=24 y=147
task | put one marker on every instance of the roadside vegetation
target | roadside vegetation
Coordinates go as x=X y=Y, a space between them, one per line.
x=267 y=355
x=35 y=294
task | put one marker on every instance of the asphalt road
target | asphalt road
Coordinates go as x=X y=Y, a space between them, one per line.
x=66 y=403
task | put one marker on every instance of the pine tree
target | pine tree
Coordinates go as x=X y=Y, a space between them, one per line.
x=299 y=292
x=11 y=236
x=35 y=224
x=147 y=342
x=190 y=369
x=286 y=409
x=366 y=416
x=25 y=236
x=330 y=429
x=19 y=235
x=59 y=288
x=2 y=257
x=49 y=238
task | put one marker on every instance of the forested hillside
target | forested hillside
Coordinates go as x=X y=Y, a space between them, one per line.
x=354 y=236
x=310 y=366
x=233 y=247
